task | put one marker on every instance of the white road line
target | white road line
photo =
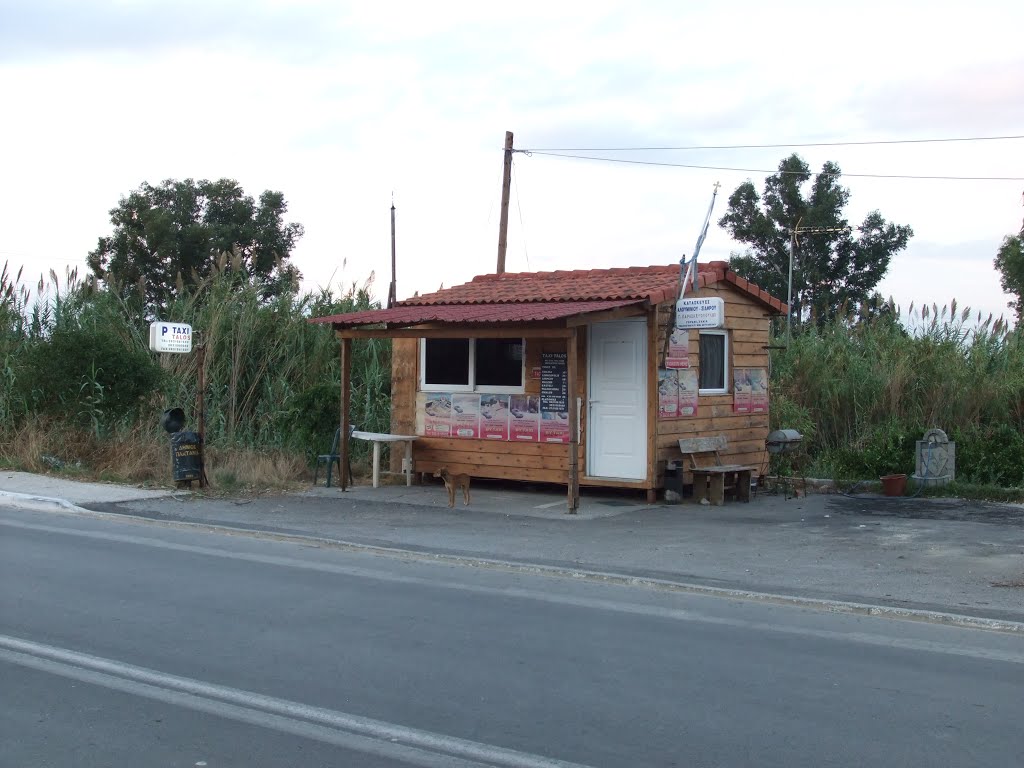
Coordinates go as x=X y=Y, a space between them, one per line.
x=599 y=604
x=411 y=745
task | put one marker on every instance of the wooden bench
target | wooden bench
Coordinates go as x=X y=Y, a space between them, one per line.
x=711 y=477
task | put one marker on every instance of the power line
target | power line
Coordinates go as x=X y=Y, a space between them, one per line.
x=775 y=146
x=545 y=153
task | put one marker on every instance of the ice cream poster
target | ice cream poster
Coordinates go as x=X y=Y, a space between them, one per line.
x=437 y=415
x=554 y=427
x=678 y=355
x=525 y=418
x=466 y=415
x=688 y=391
x=668 y=394
x=494 y=417
x=758 y=378
x=741 y=390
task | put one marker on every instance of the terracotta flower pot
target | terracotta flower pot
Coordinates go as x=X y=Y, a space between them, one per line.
x=894 y=485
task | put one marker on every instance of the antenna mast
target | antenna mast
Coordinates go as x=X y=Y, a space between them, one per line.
x=688 y=267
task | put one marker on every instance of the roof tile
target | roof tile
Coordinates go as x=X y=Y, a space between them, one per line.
x=539 y=293
x=523 y=312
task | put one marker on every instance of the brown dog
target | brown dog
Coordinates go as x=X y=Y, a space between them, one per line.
x=452 y=483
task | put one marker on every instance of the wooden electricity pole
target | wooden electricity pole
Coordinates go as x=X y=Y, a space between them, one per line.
x=506 y=184
x=393 y=288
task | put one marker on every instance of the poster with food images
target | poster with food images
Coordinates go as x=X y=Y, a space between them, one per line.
x=741 y=390
x=524 y=411
x=688 y=392
x=494 y=417
x=466 y=415
x=437 y=415
x=668 y=394
x=758 y=378
x=554 y=426
x=678 y=355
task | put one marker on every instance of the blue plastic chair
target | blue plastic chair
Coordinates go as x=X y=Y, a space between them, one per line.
x=334 y=457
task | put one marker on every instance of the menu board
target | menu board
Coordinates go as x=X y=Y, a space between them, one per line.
x=554 y=397
x=554 y=382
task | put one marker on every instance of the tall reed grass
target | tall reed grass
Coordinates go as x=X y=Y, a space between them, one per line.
x=863 y=393
x=79 y=386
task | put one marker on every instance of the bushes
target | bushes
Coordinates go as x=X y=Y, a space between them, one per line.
x=76 y=362
x=990 y=456
x=871 y=389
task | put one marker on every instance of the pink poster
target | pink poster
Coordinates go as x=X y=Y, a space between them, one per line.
x=758 y=390
x=525 y=410
x=678 y=349
x=437 y=415
x=494 y=417
x=668 y=394
x=740 y=390
x=554 y=427
x=688 y=392
x=466 y=416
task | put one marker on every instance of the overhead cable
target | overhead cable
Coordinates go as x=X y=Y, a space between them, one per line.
x=778 y=146
x=545 y=153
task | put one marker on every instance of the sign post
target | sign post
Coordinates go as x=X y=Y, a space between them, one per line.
x=176 y=338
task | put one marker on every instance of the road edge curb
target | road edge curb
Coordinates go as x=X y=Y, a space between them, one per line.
x=47 y=504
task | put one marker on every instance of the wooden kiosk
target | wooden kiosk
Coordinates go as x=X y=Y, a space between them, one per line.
x=576 y=377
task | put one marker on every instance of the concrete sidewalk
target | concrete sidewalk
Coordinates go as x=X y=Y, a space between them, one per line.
x=943 y=555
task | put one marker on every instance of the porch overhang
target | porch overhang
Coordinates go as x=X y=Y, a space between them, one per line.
x=537 y=319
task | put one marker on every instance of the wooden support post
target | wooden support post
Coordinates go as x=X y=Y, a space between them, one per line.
x=201 y=397
x=574 y=426
x=346 y=396
x=506 y=184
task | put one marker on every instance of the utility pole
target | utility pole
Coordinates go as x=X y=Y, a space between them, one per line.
x=798 y=230
x=392 y=289
x=506 y=184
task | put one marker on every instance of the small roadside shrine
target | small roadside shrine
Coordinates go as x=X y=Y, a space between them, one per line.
x=587 y=377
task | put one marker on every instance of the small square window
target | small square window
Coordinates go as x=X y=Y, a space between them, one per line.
x=498 y=363
x=714 y=363
x=446 y=362
x=467 y=365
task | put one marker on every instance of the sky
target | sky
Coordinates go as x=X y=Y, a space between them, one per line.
x=344 y=107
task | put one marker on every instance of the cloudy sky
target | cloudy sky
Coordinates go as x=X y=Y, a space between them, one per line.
x=340 y=105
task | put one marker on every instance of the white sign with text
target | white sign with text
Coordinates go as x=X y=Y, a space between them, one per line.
x=700 y=313
x=170 y=337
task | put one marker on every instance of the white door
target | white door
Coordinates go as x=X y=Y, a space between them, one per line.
x=617 y=423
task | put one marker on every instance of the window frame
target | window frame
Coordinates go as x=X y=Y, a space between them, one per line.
x=725 y=361
x=471 y=386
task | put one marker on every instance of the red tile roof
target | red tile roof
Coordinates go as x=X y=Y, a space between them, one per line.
x=532 y=296
x=654 y=284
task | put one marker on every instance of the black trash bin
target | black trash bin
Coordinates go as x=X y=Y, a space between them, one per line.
x=186 y=456
x=173 y=420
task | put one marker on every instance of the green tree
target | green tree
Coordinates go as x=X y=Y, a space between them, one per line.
x=1010 y=263
x=176 y=232
x=833 y=272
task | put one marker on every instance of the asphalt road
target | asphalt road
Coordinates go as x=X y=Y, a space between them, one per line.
x=126 y=644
